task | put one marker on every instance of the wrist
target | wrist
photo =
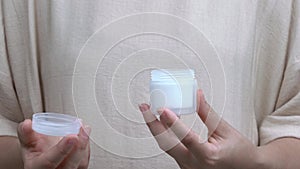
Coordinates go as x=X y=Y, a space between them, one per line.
x=252 y=158
x=261 y=159
x=258 y=159
x=268 y=158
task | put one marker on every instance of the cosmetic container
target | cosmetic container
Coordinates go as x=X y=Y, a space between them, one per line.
x=173 y=89
x=55 y=124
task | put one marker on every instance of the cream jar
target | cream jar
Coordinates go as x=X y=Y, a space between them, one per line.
x=173 y=89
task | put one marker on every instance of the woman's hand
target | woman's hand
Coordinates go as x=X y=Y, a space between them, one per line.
x=225 y=148
x=46 y=152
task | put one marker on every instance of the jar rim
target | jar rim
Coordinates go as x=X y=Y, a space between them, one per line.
x=172 y=74
x=55 y=124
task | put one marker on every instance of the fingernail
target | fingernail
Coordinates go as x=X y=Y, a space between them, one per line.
x=160 y=111
x=86 y=132
x=22 y=127
x=143 y=108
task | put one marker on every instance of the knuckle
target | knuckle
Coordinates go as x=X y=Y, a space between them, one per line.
x=189 y=139
x=212 y=156
x=62 y=151
x=82 y=146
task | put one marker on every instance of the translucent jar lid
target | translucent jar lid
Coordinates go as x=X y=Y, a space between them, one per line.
x=168 y=76
x=55 y=124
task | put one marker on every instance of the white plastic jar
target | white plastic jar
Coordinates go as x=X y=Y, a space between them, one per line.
x=173 y=89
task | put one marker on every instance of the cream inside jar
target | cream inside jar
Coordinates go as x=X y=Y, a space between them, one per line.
x=173 y=89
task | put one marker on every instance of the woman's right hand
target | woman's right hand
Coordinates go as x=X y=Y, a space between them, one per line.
x=44 y=152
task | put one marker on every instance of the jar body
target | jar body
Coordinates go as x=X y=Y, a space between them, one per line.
x=174 y=90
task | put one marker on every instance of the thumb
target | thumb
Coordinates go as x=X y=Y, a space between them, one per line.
x=25 y=133
x=210 y=118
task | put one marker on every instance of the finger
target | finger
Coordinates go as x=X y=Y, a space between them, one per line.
x=78 y=154
x=165 y=138
x=210 y=118
x=188 y=138
x=183 y=156
x=152 y=122
x=55 y=155
x=26 y=135
x=85 y=162
x=84 y=136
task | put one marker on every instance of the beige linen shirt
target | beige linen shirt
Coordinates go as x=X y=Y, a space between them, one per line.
x=76 y=57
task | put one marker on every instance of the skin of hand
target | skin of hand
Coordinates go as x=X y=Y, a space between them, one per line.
x=10 y=157
x=46 y=152
x=225 y=148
